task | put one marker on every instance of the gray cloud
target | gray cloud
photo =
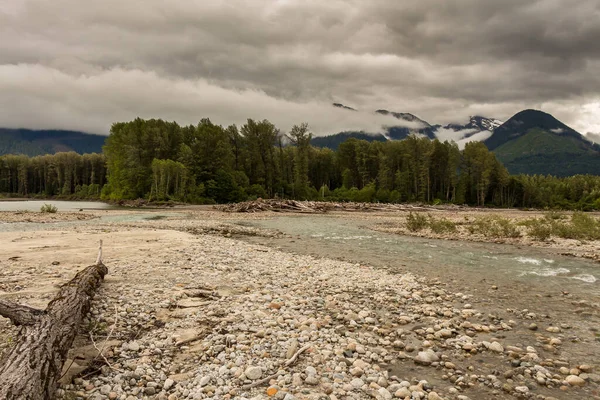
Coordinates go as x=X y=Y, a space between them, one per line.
x=79 y=65
x=593 y=137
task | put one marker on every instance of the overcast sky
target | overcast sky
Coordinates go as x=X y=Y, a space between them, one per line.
x=82 y=65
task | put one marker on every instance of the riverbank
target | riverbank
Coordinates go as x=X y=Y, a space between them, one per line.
x=464 y=222
x=43 y=218
x=192 y=309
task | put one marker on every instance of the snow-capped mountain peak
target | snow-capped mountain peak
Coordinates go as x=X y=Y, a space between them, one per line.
x=488 y=124
x=476 y=123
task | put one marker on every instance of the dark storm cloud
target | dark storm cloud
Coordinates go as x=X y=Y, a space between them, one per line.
x=82 y=65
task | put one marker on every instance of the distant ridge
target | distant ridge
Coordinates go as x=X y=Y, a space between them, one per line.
x=534 y=142
x=333 y=141
x=38 y=142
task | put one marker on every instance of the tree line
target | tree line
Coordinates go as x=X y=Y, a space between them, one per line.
x=208 y=163
x=68 y=175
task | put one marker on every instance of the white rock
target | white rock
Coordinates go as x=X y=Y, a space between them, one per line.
x=497 y=347
x=426 y=357
x=574 y=380
x=168 y=384
x=253 y=373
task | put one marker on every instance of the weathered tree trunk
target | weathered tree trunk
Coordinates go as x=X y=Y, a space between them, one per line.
x=32 y=368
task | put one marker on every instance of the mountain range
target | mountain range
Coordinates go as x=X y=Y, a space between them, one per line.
x=476 y=124
x=530 y=142
x=39 y=142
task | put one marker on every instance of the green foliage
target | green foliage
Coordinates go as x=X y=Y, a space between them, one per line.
x=170 y=180
x=224 y=189
x=539 y=228
x=383 y=195
x=256 y=191
x=441 y=225
x=48 y=208
x=582 y=226
x=542 y=152
x=554 y=216
x=495 y=226
x=62 y=175
x=416 y=222
x=395 y=196
x=366 y=194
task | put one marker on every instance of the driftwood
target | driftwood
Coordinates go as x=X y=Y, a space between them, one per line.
x=33 y=366
x=313 y=207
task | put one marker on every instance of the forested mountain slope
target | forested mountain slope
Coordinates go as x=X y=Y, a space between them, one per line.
x=39 y=142
x=534 y=142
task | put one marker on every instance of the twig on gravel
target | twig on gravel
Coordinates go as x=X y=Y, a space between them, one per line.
x=278 y=373
x=192 y=339
x=265 y=380
x=101 y=351
x=295 y=356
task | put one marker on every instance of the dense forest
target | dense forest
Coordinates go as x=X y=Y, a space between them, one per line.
x=68 y=175
x=208 y=163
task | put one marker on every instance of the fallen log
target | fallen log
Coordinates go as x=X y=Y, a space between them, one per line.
x=31 y=369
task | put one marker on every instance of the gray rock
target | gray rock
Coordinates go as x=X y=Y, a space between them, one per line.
x=357 y=383
x=168 y=384
x=253 y=373
x=497 y=347
x=426 y=357
x=311 y=380
x=310 y=370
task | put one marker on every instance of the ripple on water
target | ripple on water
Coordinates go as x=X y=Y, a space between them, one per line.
x=527 y=260
x=357 y=237
x=585 y=277
x=547 y=272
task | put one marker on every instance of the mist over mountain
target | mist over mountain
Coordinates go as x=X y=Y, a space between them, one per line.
x=478 y=128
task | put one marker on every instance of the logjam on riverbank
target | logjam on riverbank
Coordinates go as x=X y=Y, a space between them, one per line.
x=295 y=206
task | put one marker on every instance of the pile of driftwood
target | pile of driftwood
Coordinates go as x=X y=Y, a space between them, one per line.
x=294 y=206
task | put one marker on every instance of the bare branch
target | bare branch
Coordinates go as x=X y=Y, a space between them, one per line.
x=19 y=314
x=99 y=259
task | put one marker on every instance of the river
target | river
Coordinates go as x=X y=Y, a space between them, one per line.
x=522 y=263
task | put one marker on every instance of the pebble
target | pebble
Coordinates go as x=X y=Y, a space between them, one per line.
x=574 y=380
x=253 y=373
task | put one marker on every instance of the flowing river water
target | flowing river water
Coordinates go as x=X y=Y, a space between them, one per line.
x=480 y=260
